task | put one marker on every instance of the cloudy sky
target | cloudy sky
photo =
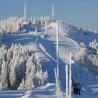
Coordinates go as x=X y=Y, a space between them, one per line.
x=83 y=13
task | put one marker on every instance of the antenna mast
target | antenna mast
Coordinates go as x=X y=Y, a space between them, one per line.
x=53 y=9
x=25 y=9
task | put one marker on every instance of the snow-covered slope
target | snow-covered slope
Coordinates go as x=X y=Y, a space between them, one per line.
x=43 y=41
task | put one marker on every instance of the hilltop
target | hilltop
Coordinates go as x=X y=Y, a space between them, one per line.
x=28 y=54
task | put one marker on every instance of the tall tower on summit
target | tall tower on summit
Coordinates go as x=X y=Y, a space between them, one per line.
x=53 y=10
x=25 y=8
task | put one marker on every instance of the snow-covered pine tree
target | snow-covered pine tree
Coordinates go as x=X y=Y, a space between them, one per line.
x=4 y=75
x=12 y=75
x=30 y=72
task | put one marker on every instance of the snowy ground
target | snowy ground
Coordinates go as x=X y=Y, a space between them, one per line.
x=89 y=88
x=45 y=46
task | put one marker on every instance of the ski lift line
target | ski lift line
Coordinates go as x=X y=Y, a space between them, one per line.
x=57 y=62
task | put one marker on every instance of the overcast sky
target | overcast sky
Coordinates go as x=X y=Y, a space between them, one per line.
x=83 y=13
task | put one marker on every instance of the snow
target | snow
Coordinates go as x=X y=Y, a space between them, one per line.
x=89 y=89
x=44 y=46
x=27 y=94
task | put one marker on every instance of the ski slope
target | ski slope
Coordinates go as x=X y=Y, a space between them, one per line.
x=44 y=43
